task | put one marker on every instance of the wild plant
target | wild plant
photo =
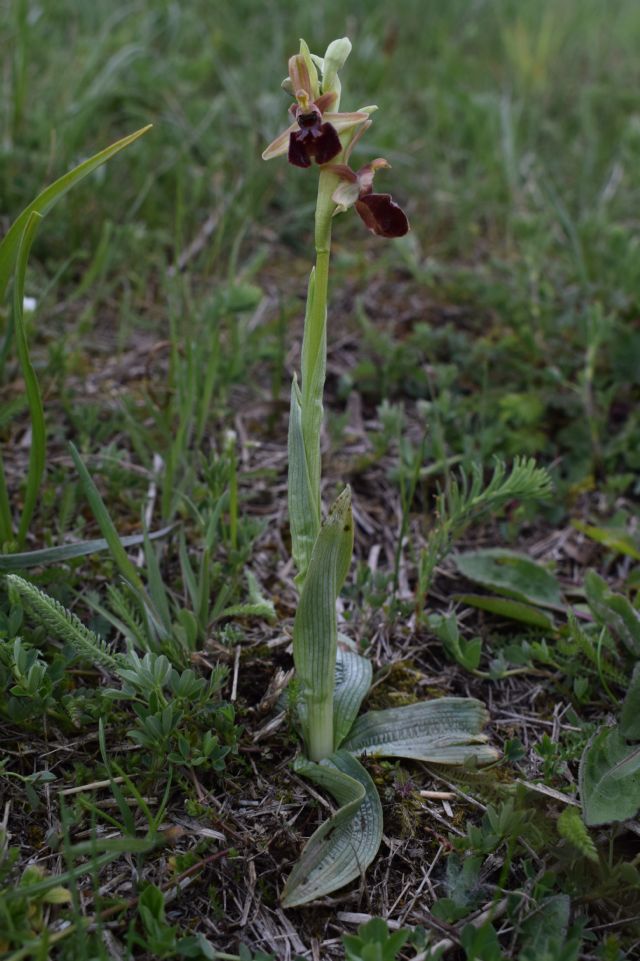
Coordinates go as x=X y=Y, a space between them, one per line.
x=332 y=678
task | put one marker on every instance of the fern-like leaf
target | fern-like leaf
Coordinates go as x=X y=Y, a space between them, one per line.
x=573 y=829
x=468 y=499
x=62 y=623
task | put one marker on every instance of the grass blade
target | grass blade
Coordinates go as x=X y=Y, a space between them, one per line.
x=67 y=552
x=49 y=196
x=6 y=529
x=99 y=511
x=34 y=398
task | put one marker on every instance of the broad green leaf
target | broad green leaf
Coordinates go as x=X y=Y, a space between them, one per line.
x=506 y=607
x=66 y=552
x=315 y=626
x=344 y=846
x=465 y=652
x=513 y=574
x=444 y=731
x=630 y=713
x=609 y=778
x=374 y=941
x=613 y=611
x=32 y=387
x=615 y=539
x=49 y=196
x=304 y=508
x=353 y=680
x=544 y=930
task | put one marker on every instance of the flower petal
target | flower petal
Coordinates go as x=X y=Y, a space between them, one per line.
x=327 y=145
x=366 y=174
x=326 y=101
x=298 y=153
x=280 y=145
x=382 y=215
x=345 y=195
x=342 y=121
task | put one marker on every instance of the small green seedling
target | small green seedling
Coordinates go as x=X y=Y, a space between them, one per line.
x=332 y=679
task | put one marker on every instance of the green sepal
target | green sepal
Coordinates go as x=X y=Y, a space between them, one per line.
x=344 y=846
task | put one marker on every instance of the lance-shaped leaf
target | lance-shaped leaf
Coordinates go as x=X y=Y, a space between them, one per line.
x=45 y=201
x=353 y=680
x=614 y=611
x=315 y=628
x=609 y=778
x=66 y=552
x=445 y=731
x=313 y=370
x=344 y=846
x=304 y=508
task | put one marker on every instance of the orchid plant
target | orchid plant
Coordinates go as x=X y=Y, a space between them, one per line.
x=332 y=678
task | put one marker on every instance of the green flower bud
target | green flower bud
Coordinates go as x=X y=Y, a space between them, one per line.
x=334 y=60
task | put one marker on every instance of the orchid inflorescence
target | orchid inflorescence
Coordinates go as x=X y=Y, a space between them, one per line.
x=315 y=135
x=332 y=677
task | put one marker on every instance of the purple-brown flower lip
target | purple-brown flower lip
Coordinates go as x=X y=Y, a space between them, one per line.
x=381 y=214
x=314 y=137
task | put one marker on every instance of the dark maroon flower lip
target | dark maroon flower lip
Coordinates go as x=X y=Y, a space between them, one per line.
x=314 y=139
x=382 y=215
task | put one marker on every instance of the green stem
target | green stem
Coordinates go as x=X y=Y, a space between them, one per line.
x=314 y=343
x=319 y=710
x=320 y=728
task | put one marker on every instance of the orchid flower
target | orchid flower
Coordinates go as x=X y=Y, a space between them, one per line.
x=314 y=133
x=381 y=214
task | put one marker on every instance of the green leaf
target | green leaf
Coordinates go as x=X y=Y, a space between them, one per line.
x=63 y=624
x=506 y=607
x=46 y=200
x=571 y=827
x=304 y=509
x=315 y=626
x=99 y=511
x=615 y=539
x=513 y=574
x=630 y=713
x=373 y=942
x=544 y=930
x=32 y=387
x=609 y=778
x=67 y=552
x=344 y=846
x=466 y=653
x=353 y=680
x=110 y=534
x=445 y=731
x=313 y=368
x=613 y=611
